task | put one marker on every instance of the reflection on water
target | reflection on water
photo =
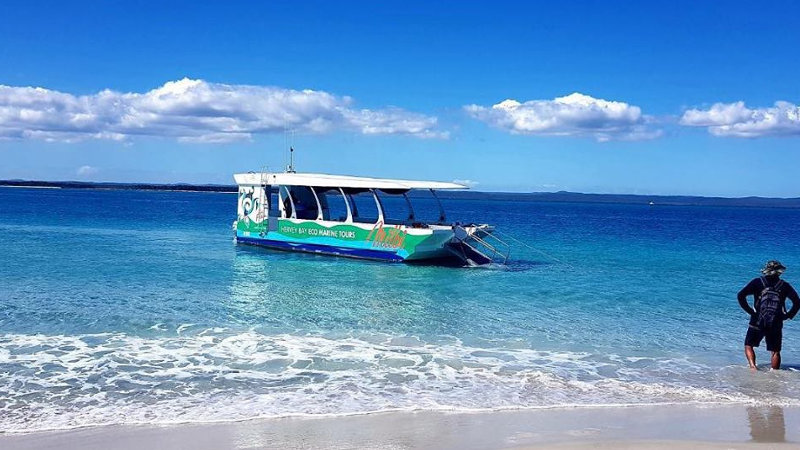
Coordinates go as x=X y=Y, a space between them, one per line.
x=766 y=423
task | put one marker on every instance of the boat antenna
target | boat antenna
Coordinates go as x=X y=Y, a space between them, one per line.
x=290 y=169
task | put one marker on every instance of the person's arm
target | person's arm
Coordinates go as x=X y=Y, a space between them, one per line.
x=742 y=297
x=791 y=294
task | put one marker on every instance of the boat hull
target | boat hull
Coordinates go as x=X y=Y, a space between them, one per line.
x=321 y=249
x=394 y=243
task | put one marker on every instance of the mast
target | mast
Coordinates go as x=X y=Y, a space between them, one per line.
x=290 y=168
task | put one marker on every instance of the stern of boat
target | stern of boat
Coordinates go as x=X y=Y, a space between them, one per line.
x=476 y=245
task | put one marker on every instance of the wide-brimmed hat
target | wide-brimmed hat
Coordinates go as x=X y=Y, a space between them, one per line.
x=773 y=268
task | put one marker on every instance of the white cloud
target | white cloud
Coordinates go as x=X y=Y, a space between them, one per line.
x=85 y=171
x=574 y=115
x=737 y=120
x=467 y=183
x=388 y=120
x=195 y=111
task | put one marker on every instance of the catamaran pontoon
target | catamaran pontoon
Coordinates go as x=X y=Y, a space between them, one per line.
x=299 y=217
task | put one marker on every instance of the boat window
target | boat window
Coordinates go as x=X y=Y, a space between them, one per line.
x=365 y=210
x=426 y=207
x=286 y=205
x=305 y=204
x=395 y=208
x=333 y=206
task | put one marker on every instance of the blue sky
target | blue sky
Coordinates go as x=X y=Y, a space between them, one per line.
x=674 y=99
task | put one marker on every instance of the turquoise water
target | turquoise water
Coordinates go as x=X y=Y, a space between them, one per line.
x=137 y=307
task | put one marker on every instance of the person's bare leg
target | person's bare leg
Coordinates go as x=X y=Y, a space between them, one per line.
x=750 y=354
x=776 y=360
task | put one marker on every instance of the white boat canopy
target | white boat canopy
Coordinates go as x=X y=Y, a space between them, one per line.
x=338 y=181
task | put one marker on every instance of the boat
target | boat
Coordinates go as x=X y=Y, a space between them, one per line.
x=326 y=214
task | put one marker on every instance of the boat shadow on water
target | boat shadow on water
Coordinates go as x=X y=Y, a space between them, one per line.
x=513 y=265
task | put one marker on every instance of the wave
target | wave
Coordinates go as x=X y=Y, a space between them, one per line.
x=61 y=381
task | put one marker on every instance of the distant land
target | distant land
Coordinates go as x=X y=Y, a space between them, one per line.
x=562 y=196
x=119 y=186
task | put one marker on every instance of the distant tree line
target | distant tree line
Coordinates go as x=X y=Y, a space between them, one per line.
x=563 y=196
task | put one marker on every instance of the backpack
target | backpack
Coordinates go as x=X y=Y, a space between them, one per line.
x=769 y=305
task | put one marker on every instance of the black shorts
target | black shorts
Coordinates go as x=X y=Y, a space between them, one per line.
x=773 y=336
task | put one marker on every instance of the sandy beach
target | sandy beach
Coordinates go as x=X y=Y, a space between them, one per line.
x=652 y=427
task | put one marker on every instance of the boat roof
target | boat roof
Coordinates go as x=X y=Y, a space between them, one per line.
x=343 y=181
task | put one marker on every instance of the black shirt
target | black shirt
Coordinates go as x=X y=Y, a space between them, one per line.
x=754 y=288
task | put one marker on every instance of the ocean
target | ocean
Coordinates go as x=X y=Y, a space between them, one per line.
x=123 y=307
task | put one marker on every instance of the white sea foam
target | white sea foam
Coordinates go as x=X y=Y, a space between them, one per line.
x=52 y=382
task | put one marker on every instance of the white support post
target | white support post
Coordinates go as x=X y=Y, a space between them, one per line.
x=319 y=205
x=347 y=203
x=281 y=190
x=378 y=204
x=281 y=209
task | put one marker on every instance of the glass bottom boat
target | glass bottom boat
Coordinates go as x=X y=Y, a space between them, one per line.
x=345 y=216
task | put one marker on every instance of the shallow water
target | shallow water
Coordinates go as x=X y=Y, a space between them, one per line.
x=137 y=307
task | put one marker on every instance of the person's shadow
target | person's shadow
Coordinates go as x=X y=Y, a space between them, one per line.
x=766 y=423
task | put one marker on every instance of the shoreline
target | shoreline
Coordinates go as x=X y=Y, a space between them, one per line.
x=391 y=411
x=661 y=426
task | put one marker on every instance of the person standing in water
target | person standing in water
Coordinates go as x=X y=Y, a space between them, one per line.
x=768 y=312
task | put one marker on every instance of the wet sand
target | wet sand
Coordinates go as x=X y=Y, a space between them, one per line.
x=651 y=427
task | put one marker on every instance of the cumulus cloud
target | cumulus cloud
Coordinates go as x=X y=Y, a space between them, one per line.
x=195 y=111
x=737 y=120
x=85 y=171
x=573 y=115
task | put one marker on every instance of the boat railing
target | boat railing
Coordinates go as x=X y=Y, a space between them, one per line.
x=489 y=245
